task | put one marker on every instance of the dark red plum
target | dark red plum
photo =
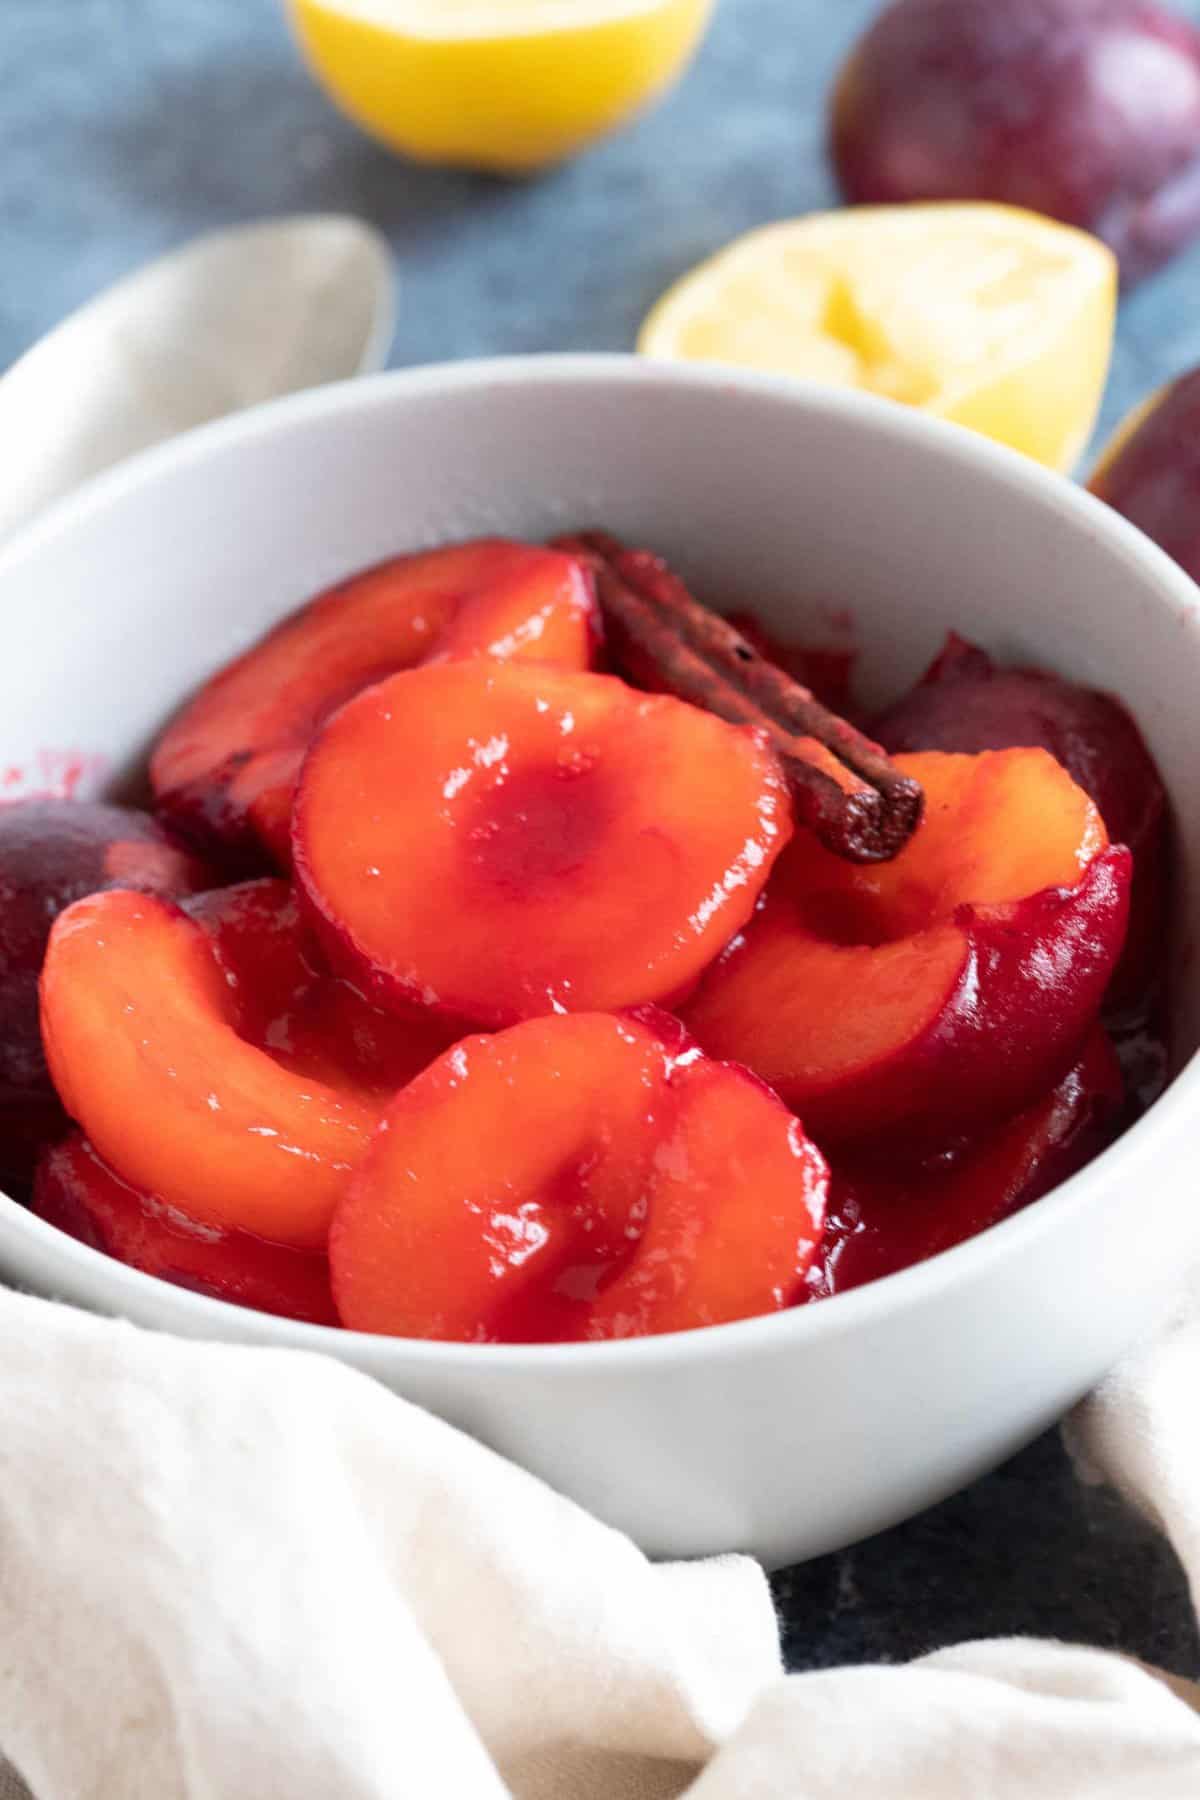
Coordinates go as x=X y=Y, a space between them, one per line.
x=1151 y=471
x=53 y=852
x=1085 y=110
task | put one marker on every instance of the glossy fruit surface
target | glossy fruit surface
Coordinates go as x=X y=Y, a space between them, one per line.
x=309 y=1021
x=503 y=85
x=1086 y=110
x=965 y=702
x=52 y=852
x=225 y=768
x=737 y=1195
x=498 y=841
x=886 y=1214
x=949 y=987
x=582 y=1176
x=984 y=315
x=142 y=1027
x=77 y=1192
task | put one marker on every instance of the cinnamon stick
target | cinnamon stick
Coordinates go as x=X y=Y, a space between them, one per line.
x=843 y=786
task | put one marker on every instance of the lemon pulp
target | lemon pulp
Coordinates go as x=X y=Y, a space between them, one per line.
x=987 y=315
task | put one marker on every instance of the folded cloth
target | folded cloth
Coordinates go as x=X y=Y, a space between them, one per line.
x=230 y=1572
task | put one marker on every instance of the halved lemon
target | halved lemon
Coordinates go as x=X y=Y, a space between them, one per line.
x=503 y=85
x=987 y=315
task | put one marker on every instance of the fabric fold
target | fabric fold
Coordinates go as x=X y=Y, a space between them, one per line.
x=229 y=1571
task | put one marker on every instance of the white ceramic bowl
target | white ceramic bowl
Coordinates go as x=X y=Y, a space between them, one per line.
x=786 y=1435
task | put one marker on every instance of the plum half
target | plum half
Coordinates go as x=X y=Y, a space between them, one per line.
x=494 y=841
x=945 y=989
x=582 y=1176
x=211 y=1065
x=966 y=702
x=224 y=771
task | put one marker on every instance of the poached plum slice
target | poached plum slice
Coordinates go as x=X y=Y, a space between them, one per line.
x=496 y=841
x=75 y=1191
x=225 y=769
x=53 y=852
x=150 y=1038
x=580 y=1176
x=1085 y=110
x=886 y=1215
x=945 y=989
x=964 y=702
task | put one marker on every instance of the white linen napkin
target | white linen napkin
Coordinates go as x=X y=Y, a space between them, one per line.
x=230 y=1572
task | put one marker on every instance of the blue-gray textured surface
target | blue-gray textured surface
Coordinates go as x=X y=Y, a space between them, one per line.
x=127 y=126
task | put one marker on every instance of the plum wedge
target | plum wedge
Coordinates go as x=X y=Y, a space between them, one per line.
x=80 y=1195
x=495 y=841
x=576 y=1177
x=53 y=852
x=203 y=1068
x=943 y=990
x=225 y=769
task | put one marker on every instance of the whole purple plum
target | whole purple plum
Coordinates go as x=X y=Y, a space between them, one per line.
x=1151 y=471
x=1086 y=110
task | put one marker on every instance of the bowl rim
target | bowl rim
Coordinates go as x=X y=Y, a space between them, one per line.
x=906 y=1290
